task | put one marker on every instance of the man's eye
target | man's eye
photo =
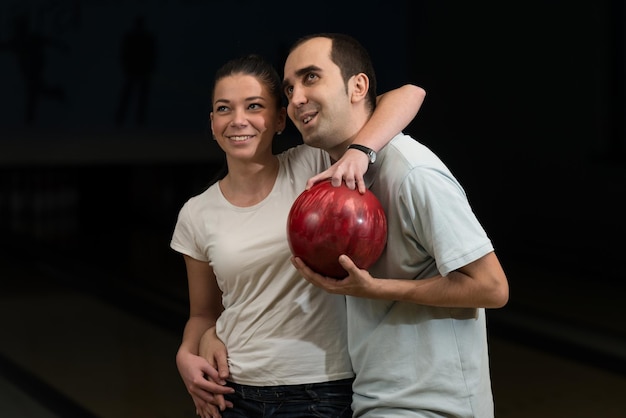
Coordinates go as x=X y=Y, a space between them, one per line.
x=288 y=90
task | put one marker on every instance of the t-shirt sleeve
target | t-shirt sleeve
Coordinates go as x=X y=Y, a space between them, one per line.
x=184 y=236
x=442 y=220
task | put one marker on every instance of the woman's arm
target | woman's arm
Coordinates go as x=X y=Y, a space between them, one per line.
x=205 y=307
x=394 y=111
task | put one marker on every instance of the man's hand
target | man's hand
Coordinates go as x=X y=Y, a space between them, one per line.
x=349 y=169
x=213 y=350
x=203 y=384
x=358 y=282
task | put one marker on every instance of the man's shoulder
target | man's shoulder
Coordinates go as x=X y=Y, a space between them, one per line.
x=406 y=154
x=403 y=139
x=408 y=147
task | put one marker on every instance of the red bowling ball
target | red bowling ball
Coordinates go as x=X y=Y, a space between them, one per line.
x=325 y=222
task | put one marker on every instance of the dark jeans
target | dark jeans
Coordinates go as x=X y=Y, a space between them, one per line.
x=315 y=400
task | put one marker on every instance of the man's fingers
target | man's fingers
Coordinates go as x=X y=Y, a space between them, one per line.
x=351 y=183
x=223 y=371
x=347 y=263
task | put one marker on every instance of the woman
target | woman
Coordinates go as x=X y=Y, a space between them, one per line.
x=286 y=338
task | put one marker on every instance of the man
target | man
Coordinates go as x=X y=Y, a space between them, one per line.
x=416 y=321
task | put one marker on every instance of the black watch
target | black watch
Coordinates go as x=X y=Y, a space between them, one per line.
x=371 y=154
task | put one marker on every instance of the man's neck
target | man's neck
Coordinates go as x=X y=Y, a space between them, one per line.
x=337 y=151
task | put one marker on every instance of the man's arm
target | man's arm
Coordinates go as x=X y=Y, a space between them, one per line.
x=394 y=111
x=480 y=284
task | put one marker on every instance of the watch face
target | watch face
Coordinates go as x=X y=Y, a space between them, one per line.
x=372 y=156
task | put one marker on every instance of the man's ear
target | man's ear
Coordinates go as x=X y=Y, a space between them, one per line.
x=360 y=85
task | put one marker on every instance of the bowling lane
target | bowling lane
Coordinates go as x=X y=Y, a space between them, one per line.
x=14 y=402
x=93 y=346
x=67 y=350
x=528 y=382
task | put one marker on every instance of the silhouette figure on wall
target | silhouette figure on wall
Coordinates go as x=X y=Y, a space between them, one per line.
x=138 y=59
x=29 y=48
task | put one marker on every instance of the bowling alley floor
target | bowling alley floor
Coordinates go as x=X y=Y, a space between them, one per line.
x=80 y=342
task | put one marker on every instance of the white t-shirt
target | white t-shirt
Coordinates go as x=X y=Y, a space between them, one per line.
x=278 y=328
x=413 y=360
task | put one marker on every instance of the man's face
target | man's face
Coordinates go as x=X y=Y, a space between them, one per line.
x=319 y=104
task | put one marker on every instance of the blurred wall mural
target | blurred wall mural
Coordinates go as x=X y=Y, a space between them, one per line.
x=86 y=66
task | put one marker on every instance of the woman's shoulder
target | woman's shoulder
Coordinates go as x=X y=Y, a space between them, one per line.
x=201 y=199
x=303 y=154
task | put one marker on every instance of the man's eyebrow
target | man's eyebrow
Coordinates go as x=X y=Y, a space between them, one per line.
x=303 y=71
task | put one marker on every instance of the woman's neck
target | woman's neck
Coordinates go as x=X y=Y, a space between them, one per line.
x=247 y=183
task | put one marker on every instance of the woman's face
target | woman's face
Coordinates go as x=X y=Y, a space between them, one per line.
x=245 y=117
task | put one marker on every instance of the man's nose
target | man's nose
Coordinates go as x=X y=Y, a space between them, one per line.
x=298 y=95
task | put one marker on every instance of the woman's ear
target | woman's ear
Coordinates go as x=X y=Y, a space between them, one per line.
x=211 y=123
x=282 y=119
x=359 y=85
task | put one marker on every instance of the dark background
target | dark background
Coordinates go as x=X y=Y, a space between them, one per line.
x=525 y=103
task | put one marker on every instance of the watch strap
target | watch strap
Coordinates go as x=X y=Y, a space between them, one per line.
x=368 y=151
